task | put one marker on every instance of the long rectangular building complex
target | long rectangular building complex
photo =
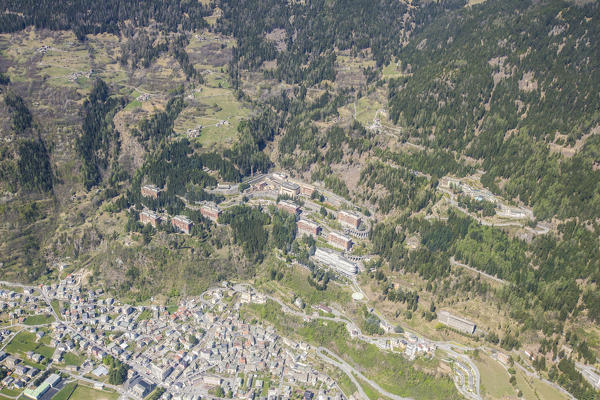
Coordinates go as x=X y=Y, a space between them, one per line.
x=336 y=261
x=458 y=323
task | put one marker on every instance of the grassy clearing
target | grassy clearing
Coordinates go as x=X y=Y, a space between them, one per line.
x=494 y=378
x=86 y=393
x=66 y=391
x=73 y=359
x=370 y=391
x=144 y=315
x=55 y=304
x=23 y=342
x=295 y=281
x=40 y=319
x=366 y=110
x=217 y=111
x=546 y=392
x=11 y=393
x=343 y=380
x=391 y=71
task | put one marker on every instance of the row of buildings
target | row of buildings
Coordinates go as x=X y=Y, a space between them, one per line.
x=311 y=228
x=180 y=222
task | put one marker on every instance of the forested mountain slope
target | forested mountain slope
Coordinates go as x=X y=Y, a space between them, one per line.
x=383 y=103
x=516 y=85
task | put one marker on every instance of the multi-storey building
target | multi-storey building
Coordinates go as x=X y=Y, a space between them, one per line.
x=461 y=324
x=149 y=217
x=182 y=223
x=210 y=211
x=306 y=190
x=349 y=218
x=288 y=206
x=289 y=189
x=340 y=241
x=306 y=227
x=150 y=191
x=336 y=261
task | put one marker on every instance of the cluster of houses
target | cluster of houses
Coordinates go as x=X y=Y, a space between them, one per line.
x=19 y=373
x=189 y=351
x=413 y=346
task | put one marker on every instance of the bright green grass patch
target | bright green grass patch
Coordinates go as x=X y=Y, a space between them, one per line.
x=494 y=378
x=391 y=71
x=366 y=110
x=22 y=343
x=40 y=319
x=343 y=381
x=144 y=315
x=73 y=359
x=87 y=393
x=11 y=392
x=370 y=391
x=55 y=304
x=45 y=351
x=66 y=391
x=172 y=308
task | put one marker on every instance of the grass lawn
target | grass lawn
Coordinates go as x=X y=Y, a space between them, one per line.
x=172 y=308
x=39 y=319
x=23 y=342
x=66 y=391
x=146 y=314
x=370 y=391
x=366 y=109
x=295 y=280
x=391 y=71
x=87 y=393
x=494 y=378
x=56 y=307
x=73 y=359
x=10 y=392
x=546 y=392
x=343 y=381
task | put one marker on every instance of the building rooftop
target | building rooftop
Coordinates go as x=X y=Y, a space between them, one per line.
x=309 y=223
x=290 y=185
x=183 y=219
x=287 y=203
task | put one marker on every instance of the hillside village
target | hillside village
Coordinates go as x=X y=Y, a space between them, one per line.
x=62 y=333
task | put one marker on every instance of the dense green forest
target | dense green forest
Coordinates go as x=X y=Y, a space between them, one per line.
x=99 y=141
x=90 y=16
x=526 y=68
